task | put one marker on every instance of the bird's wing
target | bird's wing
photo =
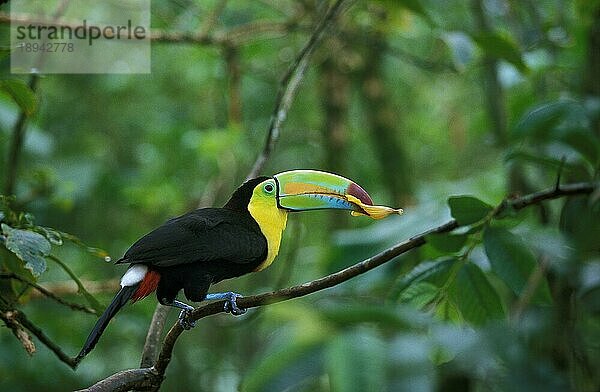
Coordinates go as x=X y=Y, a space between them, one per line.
x=200 y=236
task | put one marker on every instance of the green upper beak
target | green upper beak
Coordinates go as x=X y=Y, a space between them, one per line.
x=301 y=190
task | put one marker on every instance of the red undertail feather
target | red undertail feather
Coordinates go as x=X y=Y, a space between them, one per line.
x=146 y=286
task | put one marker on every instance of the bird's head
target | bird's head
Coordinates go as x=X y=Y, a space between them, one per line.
x=304 y=190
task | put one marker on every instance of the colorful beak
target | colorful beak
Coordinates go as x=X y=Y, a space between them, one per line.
x=302 y=190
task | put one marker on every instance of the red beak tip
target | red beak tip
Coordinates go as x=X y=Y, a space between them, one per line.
x=362 y=195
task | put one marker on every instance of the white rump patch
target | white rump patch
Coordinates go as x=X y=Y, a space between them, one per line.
x=134 y=275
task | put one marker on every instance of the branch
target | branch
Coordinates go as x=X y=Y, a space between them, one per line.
x=47 y=293
x=10 y=319
x=519 y=203
x=16 y=145
x=152 y=344
x=137 y=377
x=124 y=381
x=289 y=86
x=212 y=18
x=38 y=333
x=234 y=75
x=237 y=36
x=69 y=287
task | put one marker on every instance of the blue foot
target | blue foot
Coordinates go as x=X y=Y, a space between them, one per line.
x=185 y=319
x=185 y=315
x=230 y=302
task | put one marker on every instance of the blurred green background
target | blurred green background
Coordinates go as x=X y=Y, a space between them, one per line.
x=416 y=100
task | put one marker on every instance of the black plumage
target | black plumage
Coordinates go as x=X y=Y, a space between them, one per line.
x=209 y=244
x=191 y=252
x=202 y=247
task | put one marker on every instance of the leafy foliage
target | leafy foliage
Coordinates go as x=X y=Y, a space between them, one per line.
x=512 y=261
x=32 y=245
x=28 y=246
x=478 y=301
x=21 y=93
x=468 y=210
x=501 y=47
x=505 y=302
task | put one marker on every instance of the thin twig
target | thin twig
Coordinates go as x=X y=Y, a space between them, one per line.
x=213 y=17
x=563 y=190
x=289 y=86
x=238 y=36
x=16 y=145
x=139 y=377
x=68 y=287
x=38 y=333
x=47 y=293
x=231 y=56
x=12 y=166
x=9 y=318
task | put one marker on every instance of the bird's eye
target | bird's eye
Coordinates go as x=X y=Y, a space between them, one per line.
x=269 y=188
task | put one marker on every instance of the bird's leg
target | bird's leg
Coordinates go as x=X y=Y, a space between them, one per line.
x=230 y=302
x=184 y=315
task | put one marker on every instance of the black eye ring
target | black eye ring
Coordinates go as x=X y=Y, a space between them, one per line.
x=269 y=188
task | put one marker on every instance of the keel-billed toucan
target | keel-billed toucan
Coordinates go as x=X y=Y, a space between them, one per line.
x=207 y=245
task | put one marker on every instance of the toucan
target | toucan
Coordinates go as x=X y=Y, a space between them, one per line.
x=207 y=245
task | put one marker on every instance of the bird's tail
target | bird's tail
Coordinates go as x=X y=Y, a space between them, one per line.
x=117 y=303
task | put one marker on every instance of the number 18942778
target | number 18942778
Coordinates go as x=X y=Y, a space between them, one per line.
x=51 y=47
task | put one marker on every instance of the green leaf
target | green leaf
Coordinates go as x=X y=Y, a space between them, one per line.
x=468 y=209
x=20 y=92
x=501 y=47
x=28 y=246
x=420 y=294
x=513 y=262
x=431 y=271
x=440 y=356
x=447 y=242
x=447 y=310
x=541 y=120
x=475 y=297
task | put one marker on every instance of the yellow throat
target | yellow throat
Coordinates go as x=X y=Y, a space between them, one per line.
x=271 y=220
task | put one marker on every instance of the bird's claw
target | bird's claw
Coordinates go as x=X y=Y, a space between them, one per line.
x=231 y=304
x=185 y=320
